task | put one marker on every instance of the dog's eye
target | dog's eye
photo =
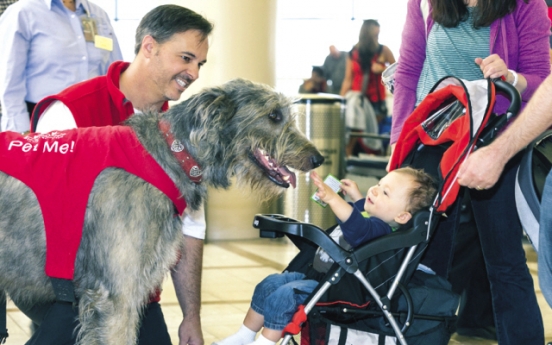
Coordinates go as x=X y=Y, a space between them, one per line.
x=275 y=116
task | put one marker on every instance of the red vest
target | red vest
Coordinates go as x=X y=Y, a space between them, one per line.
x=61 y=166
x=94 y=103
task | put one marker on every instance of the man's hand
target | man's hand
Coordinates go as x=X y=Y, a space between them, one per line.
x=190 y=332
x=482 y=169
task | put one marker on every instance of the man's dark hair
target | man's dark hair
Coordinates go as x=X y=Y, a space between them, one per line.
x=164 y=21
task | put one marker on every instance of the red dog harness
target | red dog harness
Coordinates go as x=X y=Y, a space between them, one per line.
x=60 y=167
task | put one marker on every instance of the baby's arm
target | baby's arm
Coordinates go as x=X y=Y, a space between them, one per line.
x=340 y=207
x=350 y=188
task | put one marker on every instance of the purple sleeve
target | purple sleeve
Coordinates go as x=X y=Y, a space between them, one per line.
x=411 y=61
x=533 y=29
x=358 y=230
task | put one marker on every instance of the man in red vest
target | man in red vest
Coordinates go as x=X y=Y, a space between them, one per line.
x=171 y=46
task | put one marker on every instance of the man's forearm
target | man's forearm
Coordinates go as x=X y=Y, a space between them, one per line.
x=187 y=276
x=535 y=119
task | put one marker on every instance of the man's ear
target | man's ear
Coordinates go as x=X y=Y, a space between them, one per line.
x=148 y=45
x=403 y=217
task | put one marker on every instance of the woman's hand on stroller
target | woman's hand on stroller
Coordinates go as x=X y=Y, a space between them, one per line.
x=350 y=188
x=494 y=67
x=482 y=169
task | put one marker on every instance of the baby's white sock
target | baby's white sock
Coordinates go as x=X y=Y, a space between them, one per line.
x=242 y=337
x=262 y=341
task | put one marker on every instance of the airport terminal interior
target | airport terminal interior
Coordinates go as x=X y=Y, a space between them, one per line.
x=272 y=42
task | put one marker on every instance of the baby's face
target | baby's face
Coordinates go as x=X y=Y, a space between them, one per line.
x=389 y=198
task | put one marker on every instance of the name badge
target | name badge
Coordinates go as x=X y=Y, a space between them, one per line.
x=104 y=43
x=89 y=28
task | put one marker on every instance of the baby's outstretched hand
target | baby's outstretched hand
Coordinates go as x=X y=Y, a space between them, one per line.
x=350 y=188
x=324 y=192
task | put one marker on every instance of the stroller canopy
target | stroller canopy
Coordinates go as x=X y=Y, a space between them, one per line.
x=453 y=115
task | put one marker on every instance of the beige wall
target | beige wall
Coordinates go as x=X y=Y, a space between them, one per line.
x=242 y=45
x=243 y=42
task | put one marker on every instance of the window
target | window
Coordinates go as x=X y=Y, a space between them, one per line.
x=306 y=28
x=125 y=16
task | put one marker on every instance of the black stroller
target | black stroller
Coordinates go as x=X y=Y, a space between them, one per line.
x=378 y=293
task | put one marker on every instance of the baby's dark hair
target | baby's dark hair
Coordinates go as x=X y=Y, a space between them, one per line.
x=423 y=195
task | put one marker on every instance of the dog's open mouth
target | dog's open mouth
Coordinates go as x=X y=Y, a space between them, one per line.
x=280 y=175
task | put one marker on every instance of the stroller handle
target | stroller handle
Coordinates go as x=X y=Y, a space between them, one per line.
x=512 y=94
x=497 y=122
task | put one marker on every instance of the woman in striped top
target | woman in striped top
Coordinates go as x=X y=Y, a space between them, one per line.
x=474 y=39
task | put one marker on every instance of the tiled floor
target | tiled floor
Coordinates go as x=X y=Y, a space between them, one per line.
x=231 y=271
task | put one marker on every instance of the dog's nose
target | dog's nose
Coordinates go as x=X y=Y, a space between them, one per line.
x=317 y=160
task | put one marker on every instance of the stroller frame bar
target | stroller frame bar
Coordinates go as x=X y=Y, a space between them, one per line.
x=400 y=274
x=383 y=306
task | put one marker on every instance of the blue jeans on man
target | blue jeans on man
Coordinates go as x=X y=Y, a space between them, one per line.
x=517 y=315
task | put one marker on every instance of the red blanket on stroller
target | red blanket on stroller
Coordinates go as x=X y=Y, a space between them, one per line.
x=453 y=113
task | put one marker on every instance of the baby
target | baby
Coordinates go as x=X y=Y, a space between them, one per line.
x=387 y=205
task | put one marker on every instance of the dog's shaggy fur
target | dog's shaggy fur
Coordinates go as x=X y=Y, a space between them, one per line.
x=130 y=236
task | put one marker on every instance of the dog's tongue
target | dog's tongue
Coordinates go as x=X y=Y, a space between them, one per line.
x=279 y=174
x=288 y=176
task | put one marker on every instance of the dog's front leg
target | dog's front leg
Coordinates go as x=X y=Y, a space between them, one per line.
x=107 y=319
x=130 y=240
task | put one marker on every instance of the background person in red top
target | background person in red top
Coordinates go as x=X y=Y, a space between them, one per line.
x=364 y=66
x=368 y=56
x=171 y=47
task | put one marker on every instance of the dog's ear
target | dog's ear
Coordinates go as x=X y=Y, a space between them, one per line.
x=211 y=133
x=211 y=111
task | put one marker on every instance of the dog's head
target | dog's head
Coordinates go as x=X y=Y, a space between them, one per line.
x=244 y=129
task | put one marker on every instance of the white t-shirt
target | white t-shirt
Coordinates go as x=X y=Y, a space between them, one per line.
x=58 y=117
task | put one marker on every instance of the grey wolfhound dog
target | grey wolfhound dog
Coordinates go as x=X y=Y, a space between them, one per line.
x=131 y=238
